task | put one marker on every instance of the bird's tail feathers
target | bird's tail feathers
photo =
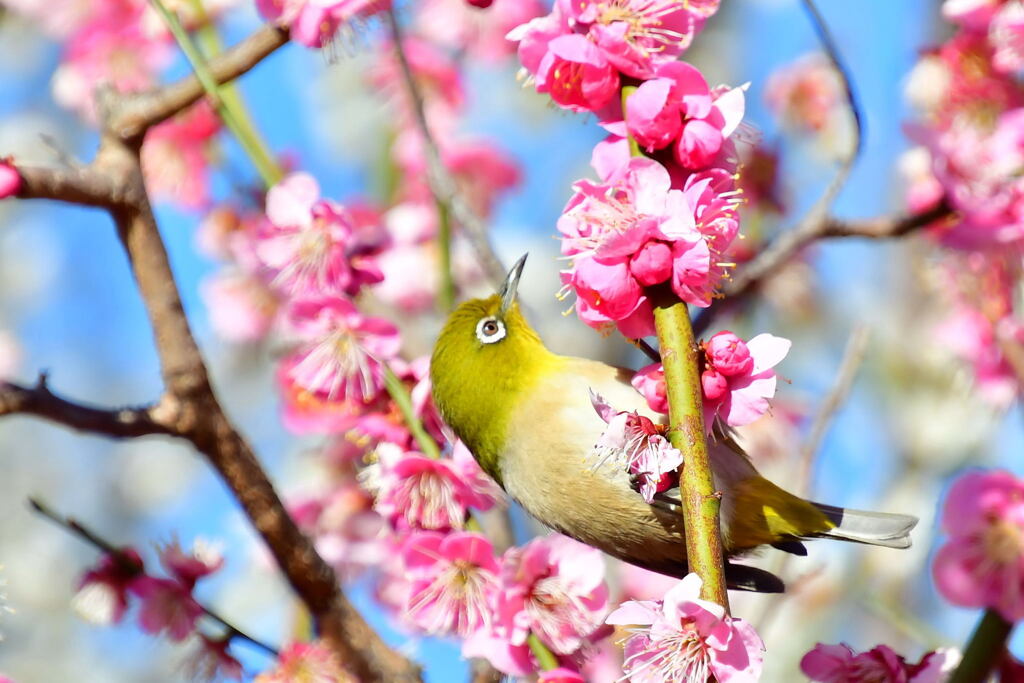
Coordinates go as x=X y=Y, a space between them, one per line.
x=873 y=528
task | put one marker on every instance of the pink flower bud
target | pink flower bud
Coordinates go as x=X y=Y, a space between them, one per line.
x=714 y=384
x=10 y=180
x=729 y=354
x=652 y=264
x=482 y=4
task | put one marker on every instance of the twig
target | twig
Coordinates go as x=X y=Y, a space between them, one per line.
x=136 y=114
x=853 y=357
x=268 y=169
x=41 y=402
x=779 y=251
x=791 y=243
x=131 y=565
x=442 y=185
x=403 y=401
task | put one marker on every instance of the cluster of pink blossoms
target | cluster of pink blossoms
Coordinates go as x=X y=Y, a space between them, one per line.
x=737 y=378
x=663 y=221
x=971 y=137
x=840 y=664
x=166 y=605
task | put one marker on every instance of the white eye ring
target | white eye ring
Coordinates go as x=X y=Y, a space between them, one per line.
x=490 y=330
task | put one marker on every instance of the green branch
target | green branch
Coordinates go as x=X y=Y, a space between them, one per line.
x=227 y=103
x=446 y=288
x=686 y=416
x=985 y=649
x=700 y=501
x=402 y=399
x=545 y=657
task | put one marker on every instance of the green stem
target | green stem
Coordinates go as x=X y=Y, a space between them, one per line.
x=402 y=399
x=227 y=103
x=446 y=290
x=696 y=486
x=545 y=657
x=700 y=501
x=634 y=148
x=984 y=650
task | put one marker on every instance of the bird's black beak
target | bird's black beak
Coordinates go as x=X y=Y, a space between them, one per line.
x=508 y=290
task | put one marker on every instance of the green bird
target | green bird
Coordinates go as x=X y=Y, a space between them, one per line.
x=526 y=415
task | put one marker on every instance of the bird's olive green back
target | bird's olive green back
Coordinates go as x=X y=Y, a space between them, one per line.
x=478 y=386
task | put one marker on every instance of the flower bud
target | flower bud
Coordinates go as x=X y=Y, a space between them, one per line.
x=729 y=354
x=714 y=384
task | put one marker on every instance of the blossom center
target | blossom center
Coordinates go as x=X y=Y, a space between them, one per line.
x=1003 y=542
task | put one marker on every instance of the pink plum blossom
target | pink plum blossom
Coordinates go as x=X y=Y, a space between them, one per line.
x=10 y=179
x=343 y=352
x=314 y=22
x=567 y=66
x=241 y=307
x=314 y=662
x=552 y=587
x=102 y=596
x=348 y=533
x=309 y=243
x=807 y=94
x=203 y=560
x=678 y=107
x=640 y=445
x=110 y=48
x=687 y=639
x=480 y=35
x=418 y=492
x=840 y=664
x=453 y=580
x=175 y=157
x=982 y=562
x=738 y=379
x=213 y=661
x=561 y=675
x=650 y=381
x=975 y=14
x=167 y=605
x=638 y=36
x=972 y=336
x=623 y=236
x=1006 y=33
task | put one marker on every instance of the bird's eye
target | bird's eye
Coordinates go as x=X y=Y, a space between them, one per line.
x=490 y=330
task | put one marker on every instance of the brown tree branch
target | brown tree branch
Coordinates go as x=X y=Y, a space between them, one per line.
x=132 y=565
x=76 y=185
x=41 y=402
x=202 y=421
x=133 y=115
x=791 y=243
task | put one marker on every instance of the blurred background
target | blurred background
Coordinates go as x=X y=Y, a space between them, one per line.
x=68 y=306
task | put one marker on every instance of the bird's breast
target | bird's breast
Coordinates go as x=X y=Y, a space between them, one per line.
x=549 y=465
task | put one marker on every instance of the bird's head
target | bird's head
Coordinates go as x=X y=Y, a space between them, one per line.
x=486 y=357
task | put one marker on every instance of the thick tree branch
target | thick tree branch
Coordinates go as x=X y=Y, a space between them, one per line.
x=190 y=408
x=200 y=419
x=135 y=114
x=76 y=185
x=41 y=402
